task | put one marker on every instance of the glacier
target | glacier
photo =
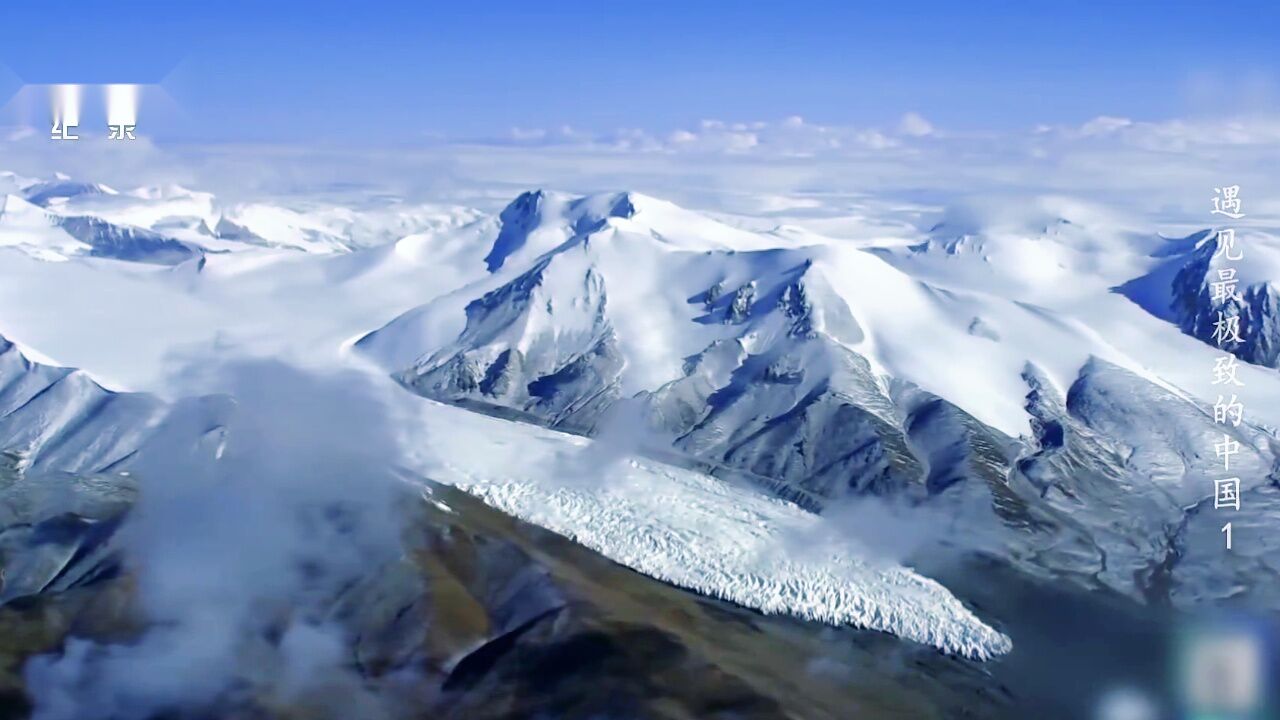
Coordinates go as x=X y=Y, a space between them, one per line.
x=694 y=531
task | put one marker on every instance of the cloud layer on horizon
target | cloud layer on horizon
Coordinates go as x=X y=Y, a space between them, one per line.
x=1157 y=168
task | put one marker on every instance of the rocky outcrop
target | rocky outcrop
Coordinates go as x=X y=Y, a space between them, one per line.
x=1182 y=290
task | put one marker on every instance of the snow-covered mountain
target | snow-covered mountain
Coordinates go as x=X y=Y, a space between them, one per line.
x=61 y=189
x=169 y=224
x=59 y=419
x=982 y=375
x=827 y=371
x=51 y=236
x=1134 y=465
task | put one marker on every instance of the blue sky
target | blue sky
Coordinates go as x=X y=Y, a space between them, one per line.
x=391 y=72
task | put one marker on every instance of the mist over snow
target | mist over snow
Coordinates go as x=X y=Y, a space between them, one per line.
x=239 y=545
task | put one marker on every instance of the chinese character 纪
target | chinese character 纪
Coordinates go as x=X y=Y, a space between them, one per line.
x=1227 y=329
x=1226 y=493
x=1225 y=449
x=1231 y=411
x=121 y=132
x=1227 y=201
x=63 y=131
x=1227 y=244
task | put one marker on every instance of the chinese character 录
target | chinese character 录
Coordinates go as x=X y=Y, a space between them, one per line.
x=121 y=132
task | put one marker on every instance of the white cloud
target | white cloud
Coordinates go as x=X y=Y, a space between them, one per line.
x=876 y=140
x=1104 y=125
x=21 y=132
x=791 y=136
x=1179 y=134
x=526 y=135
x=915 y=125
x=680 y=137
x=1154 y=165
x=290 y=515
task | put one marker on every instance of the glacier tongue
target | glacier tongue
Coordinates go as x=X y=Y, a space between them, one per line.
x=691 y=530
x=747 y=569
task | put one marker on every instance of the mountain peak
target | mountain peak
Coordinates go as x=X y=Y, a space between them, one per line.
x=61 y=188
x=540 y=221
x=610 y=205
x=525 y=205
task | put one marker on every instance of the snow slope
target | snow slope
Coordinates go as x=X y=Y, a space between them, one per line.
x=59 y=418
x=56 y=237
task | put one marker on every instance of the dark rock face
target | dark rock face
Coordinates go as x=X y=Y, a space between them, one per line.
x=1257 y=306
x=518 y=220
x=120 y=242
x=43 y=193
x=818 y=439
